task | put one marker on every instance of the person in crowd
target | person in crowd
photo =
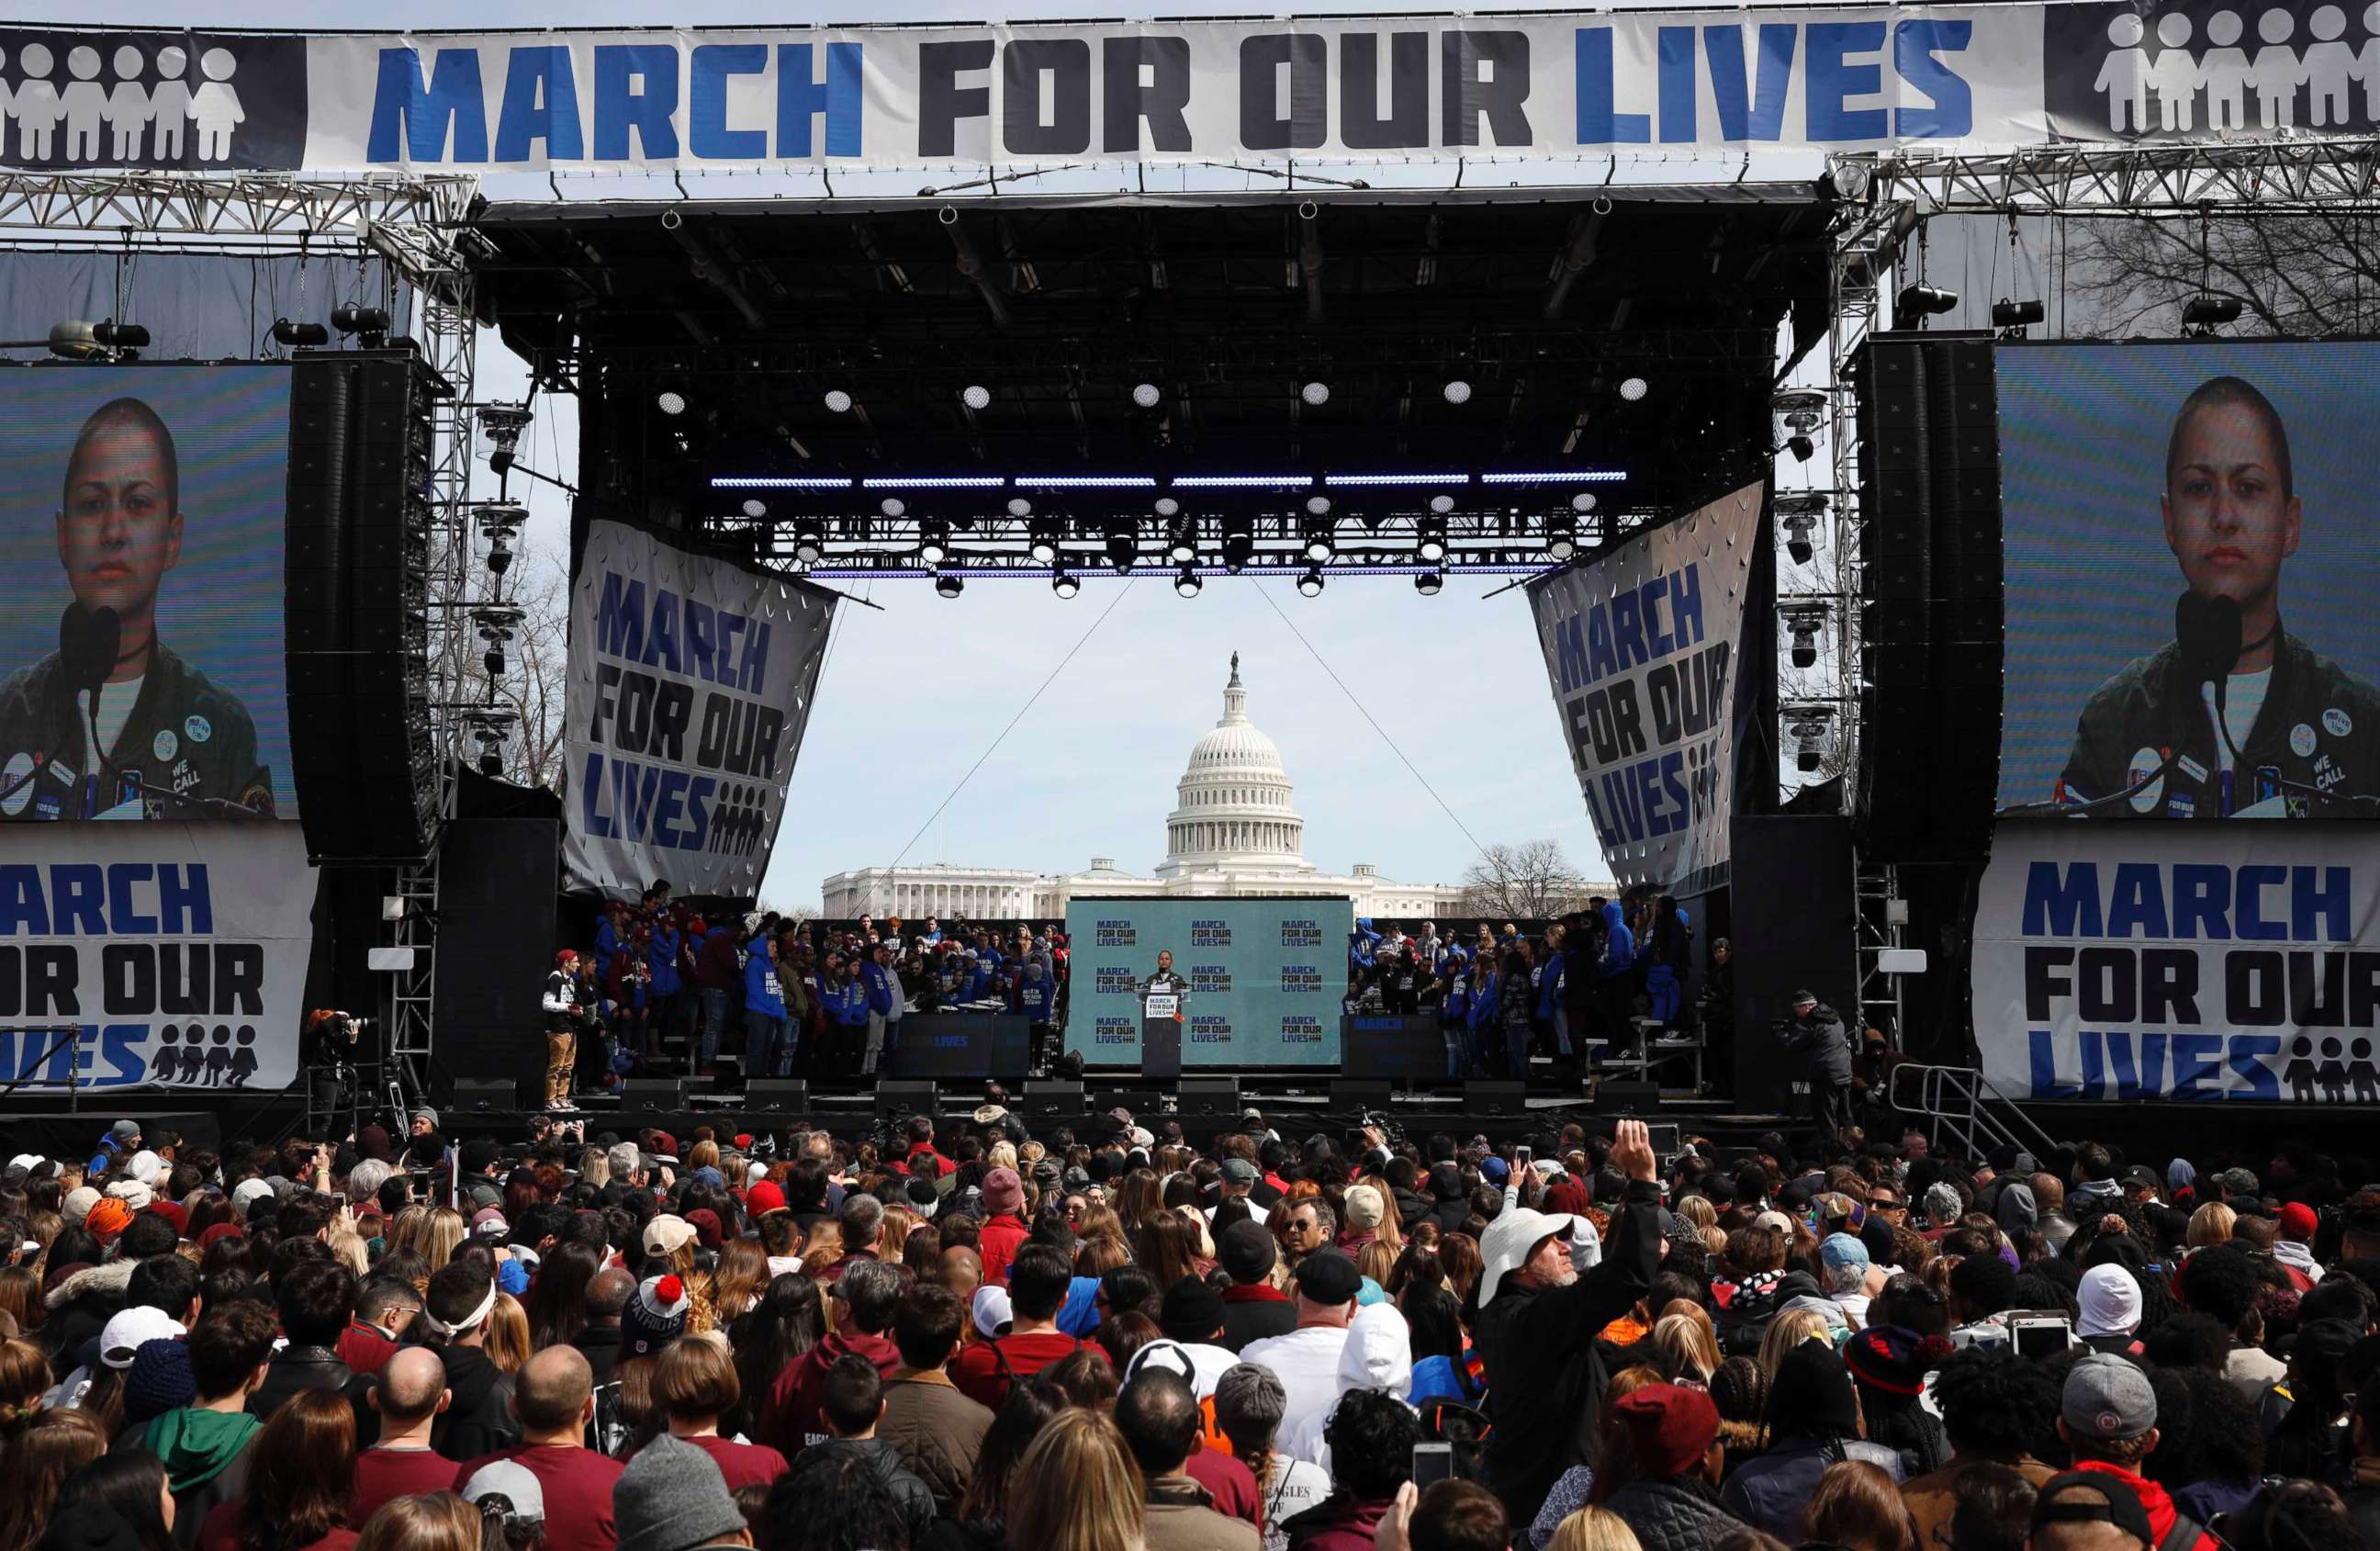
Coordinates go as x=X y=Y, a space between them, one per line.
x=1814 y=1421
x=2108 y=1417
x=300 y=1475
x=1658 y=1475
x=671 y=1497
x=407 y=1397
x=554 y=1402
x=696 y=1384
x=1371 y=1435
x=1039 y=1279
x=1305 y=1359
x=1157 y=1414
x=937 y=1431
x=852 y=1404
x=1991 y=1402
x=203 y=1445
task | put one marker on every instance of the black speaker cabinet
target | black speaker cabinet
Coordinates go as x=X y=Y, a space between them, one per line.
x=1628 y=1099
x=1210 y=1099
x=475 y=1094
x=653 y=1093
x=1494 y=1097
x=790 y=1095
x=906 y=1095
x=1365 y=1093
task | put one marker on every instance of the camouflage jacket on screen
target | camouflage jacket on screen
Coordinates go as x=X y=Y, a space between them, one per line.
x=186 y=735
x=2319 y=727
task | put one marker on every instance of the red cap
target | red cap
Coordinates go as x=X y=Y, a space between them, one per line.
x=764 y=1198
x=566 y=956
x=172 y=1212
x=2298 y=1223
x=705 y=1223
x=1670 y=1428
x=744 y=1139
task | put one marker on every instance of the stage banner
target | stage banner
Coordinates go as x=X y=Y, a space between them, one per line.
x=161 y=954
x=1641 y=646
x=2181 y=962
x=1266 y=978
x=1652 y=81
x=690 y=685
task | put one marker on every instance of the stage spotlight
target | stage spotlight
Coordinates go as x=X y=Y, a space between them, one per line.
x=892 y=507
x=1239 y=546
x=1431 y=545
x=669 y=401
x=1187 y=582
x=1633 y=388
x=501 y=521
x=1066 y=584
x=950 y=584
x=933 y=540
x=1801 y=447
x=1019 y=507
x=1562 y=536
x=1310 y=583
x=1146 y=395
x=1315 y=393
x=837 y=400
x=1122 y=544
x=2202 y=314
x=368 y=324
x=77 y=340
x=1803 y=621
x=1183 y=547
x=976 y=396
x=1320 y=544
x=1441 y=504
x=1582 y=502
x=1799 y=412
x=1458 y=392
x=1044 y=544
x=810 y=540
x=1166 y=506
x=755 y=508
x=285 y=334
x=1318 y=505
x=1428 y=582
x=1799 y=515
x=2012 y=317
x=1918 y=303
x=1809 y=729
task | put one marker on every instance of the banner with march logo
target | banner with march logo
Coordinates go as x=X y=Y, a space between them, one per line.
x=160 y=955
x=1654 y=81
x=1642 y=645
x=2192 y=962
x=690 y=685
x=1266 y=978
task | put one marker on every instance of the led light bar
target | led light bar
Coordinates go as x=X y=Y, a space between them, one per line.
x=1241 y=482
x=1396 y=479
x=780 y=482
x=1555 y=476
x=935 y=482
x=1086 y=481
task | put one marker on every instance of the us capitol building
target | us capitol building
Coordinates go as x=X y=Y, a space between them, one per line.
x=1232 y=834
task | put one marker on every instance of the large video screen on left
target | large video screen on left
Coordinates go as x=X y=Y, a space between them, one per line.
x=141 y=669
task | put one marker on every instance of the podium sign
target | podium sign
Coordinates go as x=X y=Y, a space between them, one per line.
x=1162 y=1004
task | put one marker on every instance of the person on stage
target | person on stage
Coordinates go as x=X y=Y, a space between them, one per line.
x=2231 y=516
x=162 y=726
x=563 y=1018
x=1816 y=1031
x=1164 y=982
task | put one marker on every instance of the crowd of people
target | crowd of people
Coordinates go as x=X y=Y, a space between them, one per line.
x=1117 y=1337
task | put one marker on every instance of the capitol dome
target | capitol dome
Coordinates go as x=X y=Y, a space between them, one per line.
x=1233 y=811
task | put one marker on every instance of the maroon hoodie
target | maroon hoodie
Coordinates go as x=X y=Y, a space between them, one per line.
x=789 y=1416
x=1338 y=1522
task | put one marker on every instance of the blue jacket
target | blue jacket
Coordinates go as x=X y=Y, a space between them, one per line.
x=660 y=957
x=1455 y=1006
x=1619 y=945
x=607 y=941
x=762 y=993
x=1549 y=975
x=1483 y=992
x=880 y=990
x=1032 y=997
x=847 y=1005
x=1363 y=941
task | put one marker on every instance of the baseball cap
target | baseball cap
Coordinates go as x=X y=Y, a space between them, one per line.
x=1670 y=1428
x=1327 y=1278
x=2107 y=1398
x=2142 y=1178
x=666 y=1234
x=1239 y=1172
x=513 y=1483
x=2299 y=1223
x=1838 y=1250
x=1191 y=1310
x=991 y=1310
x=2092 y=1498
x=120 y=1340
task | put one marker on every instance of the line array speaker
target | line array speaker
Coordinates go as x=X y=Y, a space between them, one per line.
x=1932 y=622
x=357 y=626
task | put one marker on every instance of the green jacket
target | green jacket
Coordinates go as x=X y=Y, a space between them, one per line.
x=196 y=1446
x=2319 y=727
x=185 y=736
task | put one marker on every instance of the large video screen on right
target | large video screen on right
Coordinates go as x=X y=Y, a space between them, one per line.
x=2193 y=552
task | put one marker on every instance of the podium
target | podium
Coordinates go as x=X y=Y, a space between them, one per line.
x=1160 y=1036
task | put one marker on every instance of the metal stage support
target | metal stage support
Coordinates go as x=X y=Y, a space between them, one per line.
x=1883 y=915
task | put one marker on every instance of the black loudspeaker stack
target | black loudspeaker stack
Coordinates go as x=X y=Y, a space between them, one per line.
x=360 y=454
x=1932 y=625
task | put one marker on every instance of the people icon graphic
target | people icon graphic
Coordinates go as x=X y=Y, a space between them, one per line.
x=2326 y=66
x=2311 y=82
x=2174 y=74
x=85 y=104
x=38 y=109
x=215 y=106
x=2124 y=75
x=127 y=107
x=2275 y=73
x=2224 y=70
x=169 y=101
x=108 y=100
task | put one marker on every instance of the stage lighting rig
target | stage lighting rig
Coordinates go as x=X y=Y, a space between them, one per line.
x=502 y=522
x=294 y=336
x=1043 y=547
x=1431 y=541
x=1322 y=539
x=2012 y=318
x=1427 y=583
x=491 y=727
x=1804 y=621
x=1310 y=583
x=1187 y=582
x=368 y=326
x=1811 y=730
x=1122 y=543
x=2203 y=314
x=934 y=542
x=502 y=424
x=1239 y=543
x=1562 y=536
x=1799 y=515
x=1182 y=548
x=950 y=584
x=495 y=623
x=76 y=339
x=1066 y=584
x=1799 y=412
x=1917 y=303
x=809 y=539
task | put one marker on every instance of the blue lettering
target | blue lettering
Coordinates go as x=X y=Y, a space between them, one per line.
x=24 y=909
x=449 y=104
x=755 y=674
x=661 y=646
x=1627 y=630
x=1952 y=113
x=1676 y=66
x=593 y=821
x=1832 y=78
x=2250 y=883
x=2329 y=898
x=1570 y=654
x=620 y=618
x=184 y=905
x=77 y=898
x=800 y=98
x=1597 y=125
x=1764 y=117
x=707 y=72
x=1686 y=606
x=2137 y=907
x=540 y=104
x=2196 y=1059
x=124 y=918
x=2144 y=1080
x=2201 y=891
x=2061 y=906
x=2040 y=1046
x=620 y=106
x=2246 y=1060
x=1649 y=599
x=1598 y=643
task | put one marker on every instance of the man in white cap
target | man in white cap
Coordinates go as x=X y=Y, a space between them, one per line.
x=1538 y=1318
x=2109 y=1299
x=1307 y=1360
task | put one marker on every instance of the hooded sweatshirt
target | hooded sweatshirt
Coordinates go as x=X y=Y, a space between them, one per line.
x=194 y=1445
x=1378 y=1355
x=2153 y=1501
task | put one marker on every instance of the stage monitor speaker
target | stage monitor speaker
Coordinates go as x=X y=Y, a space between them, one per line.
x=471 y=1095
x=1358 y=1093
x=1208 y=1098
x=906 y=1095
x=663 y=1093
x=1496 y=1098
x=1637 y=1099
x=789 y=1095
x=1053 y=1103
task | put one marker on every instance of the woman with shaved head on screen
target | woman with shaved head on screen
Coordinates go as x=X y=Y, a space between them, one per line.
x=2235 y=717
x=159 y=739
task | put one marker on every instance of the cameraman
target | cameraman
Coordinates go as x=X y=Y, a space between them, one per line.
x=1816 y=1031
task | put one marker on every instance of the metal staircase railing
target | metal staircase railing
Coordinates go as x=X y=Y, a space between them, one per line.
x=1963 y=1102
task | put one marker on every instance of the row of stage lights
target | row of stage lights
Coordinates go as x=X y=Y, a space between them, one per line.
x=1315 y=393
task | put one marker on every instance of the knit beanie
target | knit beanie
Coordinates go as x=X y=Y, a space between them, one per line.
x=1003 y=1192
x=107 y=1218
x=671 y=1496
x=1812 y=1394
x=654 y=1317
x=1894 y=1360
x=160 y=1380
x=132 y=1193
x=79 y=1203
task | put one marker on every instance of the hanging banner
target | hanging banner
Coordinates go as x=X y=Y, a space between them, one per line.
x=162 y=954
x=1266 y=978
x=2186 y=962
x=1641 y=647
x=690 y=685
x=1652 y=81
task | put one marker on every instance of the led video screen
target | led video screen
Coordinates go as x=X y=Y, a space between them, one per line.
x=141 y=671
x=2192 y=580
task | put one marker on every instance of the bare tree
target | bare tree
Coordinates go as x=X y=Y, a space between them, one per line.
x=537 y=665
x=2305 y=273
x=1533 y=880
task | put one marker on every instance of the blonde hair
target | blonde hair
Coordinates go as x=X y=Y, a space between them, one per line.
x=426 y=1522
x=1391 y=1228
x=1593 y=1529
x=1687 y=1336
x=349 y=1251
x=442 y=1235
x=2210 y=1224
x=594 y=1167
x=1076 y=1489
x=1002 y=1156
x=507 y=1344
x=1789 y=1329
x=1698 y=1210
